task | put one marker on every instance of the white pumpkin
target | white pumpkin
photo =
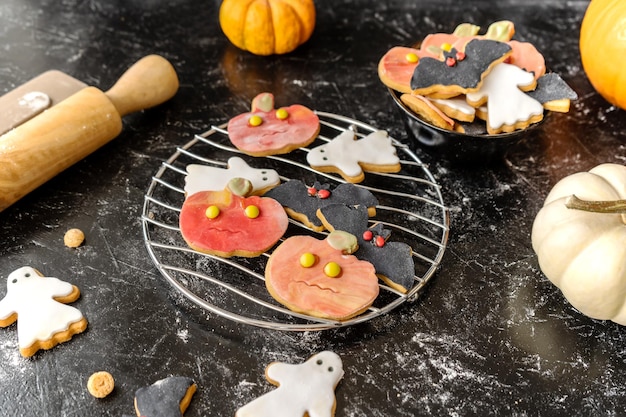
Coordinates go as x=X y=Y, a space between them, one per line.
x=584 y=252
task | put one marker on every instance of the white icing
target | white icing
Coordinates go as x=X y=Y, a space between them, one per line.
x=207 y=178
x=304 y=388
x=31 y=297
x=506 y=103
x=458 y=104
x=345 y=153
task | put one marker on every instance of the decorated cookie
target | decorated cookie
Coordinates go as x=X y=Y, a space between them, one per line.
x=320 y=277
x=427 y=111
x=508 y=107
x=301 y=202
x=396 y=67
x=167 y=397
x=393 y=261
x=228 y=223
x=350 y=157
x=525 y=56
x=435 y=43
x=38 y=305
x=553 y=93
x=459 y=72
x=208 y=178
x=268 y=131
x=306 y=389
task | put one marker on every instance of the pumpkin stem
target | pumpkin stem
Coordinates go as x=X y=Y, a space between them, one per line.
x=614 y=206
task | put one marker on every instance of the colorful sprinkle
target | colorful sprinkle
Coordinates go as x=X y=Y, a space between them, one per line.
x=307 y=260
x=252 y=212
x=212 y=212
x=450 y=61
x=332 y=269
x=446 y=47
x=323 y=194
x=380 y=241
x=368 y=235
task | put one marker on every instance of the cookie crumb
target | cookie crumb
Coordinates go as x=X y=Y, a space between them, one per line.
x=100 y=384
x=74 y=238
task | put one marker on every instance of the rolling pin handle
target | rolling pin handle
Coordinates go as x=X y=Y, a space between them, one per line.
x=149 y=82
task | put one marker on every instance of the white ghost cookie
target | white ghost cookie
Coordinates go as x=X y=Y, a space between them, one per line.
x=37 y=303
x=350 y=157
x=208 y=178
x=508 y=107
x=304 y=389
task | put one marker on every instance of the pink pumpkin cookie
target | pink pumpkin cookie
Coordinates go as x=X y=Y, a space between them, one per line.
x=227 y=223
x=320 y=278
x=38 y=305
x=267 y=131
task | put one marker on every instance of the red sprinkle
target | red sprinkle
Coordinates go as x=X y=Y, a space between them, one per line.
x=323 y=194
x=312 y=191
x=368 y=235
x=450 y=61
x=380 y=241
x=460 y=55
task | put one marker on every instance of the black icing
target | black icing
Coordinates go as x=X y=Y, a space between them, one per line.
x=394 y=260
x=162 y=399
x=466 y=73
x=294 y=195
x=552 y=87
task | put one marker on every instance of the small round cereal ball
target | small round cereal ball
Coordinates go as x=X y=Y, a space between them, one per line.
x=100 y=384
x=74 y=238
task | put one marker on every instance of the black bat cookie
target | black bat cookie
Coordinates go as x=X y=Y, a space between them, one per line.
x=552 y=87
x=393 y=261
x=302 y=202
x=459 y=72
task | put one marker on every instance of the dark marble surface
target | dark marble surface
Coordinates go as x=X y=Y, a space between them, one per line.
x=490 y=335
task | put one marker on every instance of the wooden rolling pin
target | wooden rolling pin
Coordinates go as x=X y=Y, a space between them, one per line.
x=47 y=144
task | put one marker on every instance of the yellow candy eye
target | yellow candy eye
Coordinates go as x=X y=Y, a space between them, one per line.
x=412 y=58
x=332 y=269
x=307 y=260
x=255 y=120
x=212 y=212
x=282 y=114
x=252 y=212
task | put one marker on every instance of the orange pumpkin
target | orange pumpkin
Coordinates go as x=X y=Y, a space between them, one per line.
x=602 y=48
x=266 y=27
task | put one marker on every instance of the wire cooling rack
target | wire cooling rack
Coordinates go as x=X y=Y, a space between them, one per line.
x=410 y=205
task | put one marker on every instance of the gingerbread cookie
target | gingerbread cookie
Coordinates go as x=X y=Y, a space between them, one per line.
x=167 y=397
x=229 y=223
x=351 y=157
x=393 y=261
x=38 y=304
x=525 y=56
x=267 y=131
x=459 y=72
x=320 y=277
x=302 y=202
x=508 y=107
x=293 y=398
x=428 y=111
x=208 y=178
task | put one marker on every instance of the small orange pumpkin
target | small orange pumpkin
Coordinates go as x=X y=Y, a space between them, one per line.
x=602 y=48
x=266 y=27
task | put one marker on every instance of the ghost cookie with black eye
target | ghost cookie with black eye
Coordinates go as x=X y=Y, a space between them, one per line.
x=38 y=304
x=293 y=398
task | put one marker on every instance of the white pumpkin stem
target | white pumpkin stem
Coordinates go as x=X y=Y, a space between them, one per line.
x=613 y=206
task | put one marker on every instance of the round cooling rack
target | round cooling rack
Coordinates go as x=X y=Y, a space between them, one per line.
x=410 y=205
